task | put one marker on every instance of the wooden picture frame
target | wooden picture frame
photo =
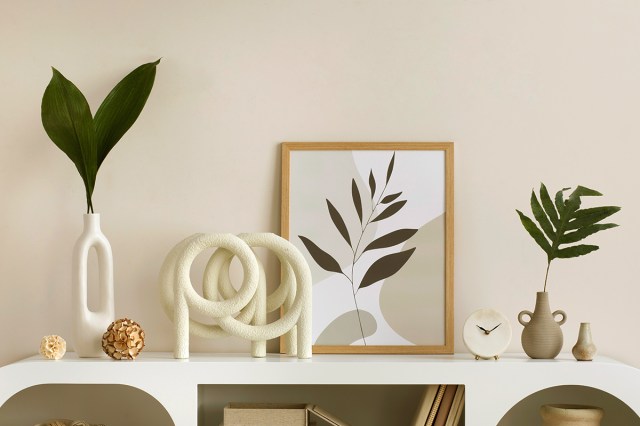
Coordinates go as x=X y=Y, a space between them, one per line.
x=375 y=223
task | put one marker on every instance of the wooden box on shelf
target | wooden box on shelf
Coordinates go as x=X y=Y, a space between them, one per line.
x=266 y=414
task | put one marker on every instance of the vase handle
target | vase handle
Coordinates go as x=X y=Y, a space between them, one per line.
x=559 y=312
x=521 y=319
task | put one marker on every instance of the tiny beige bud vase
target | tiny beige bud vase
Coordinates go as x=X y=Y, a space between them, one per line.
x=584 y=349
x=542 y=336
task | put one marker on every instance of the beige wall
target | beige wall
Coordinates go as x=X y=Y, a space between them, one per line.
x=528 y=91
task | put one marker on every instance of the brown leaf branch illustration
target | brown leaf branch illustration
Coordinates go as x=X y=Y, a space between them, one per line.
x=357 y=201
x=391 y=239
x=390 y=211
x=387 y=265
x=390 y=198
x=339 y=222
x=322 y=258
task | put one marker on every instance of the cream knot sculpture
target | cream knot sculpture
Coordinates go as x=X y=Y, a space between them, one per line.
x=241 y=313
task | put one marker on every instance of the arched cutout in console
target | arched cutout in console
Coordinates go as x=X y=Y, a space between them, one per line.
x=525 y=412
x=109 y=404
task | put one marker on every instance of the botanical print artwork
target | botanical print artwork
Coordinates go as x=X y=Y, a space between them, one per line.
x=371 y=224
x=382 y=206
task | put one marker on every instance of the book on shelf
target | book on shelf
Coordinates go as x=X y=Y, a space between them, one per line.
x=436 y=405
x=325 y=416
x=424 y=406
x=445 y=405
x=440 y=405
x=457 y=407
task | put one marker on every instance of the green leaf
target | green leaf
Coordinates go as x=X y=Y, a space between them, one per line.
x=390 y=211
x=391 y=239
x=583 y=222
x=385 y=267
x=574 y=201
x=322 y=258
x=575 y=251
x=87 y=140
x=66 y=118
x=357 y=201
x=338 y=222
x=559 y=200
x=535 y=233
x=582 y=191
x=122 y=106
x=372 y=184
x=541 y=217
x=586 y=217
x=582 y=233
x=391 y=197
x=548 y=206
x=390 y=167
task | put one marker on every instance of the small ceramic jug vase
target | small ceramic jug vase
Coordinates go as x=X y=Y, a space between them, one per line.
x=542 y=336
x=584 y=349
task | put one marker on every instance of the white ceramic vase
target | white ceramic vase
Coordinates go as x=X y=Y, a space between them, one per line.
x=89 y=325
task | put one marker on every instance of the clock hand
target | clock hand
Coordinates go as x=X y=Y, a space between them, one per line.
x=483 y=329
x=495 y=327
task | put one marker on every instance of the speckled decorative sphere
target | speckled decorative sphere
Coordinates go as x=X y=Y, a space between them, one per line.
x=53 y=347
x=124 y=339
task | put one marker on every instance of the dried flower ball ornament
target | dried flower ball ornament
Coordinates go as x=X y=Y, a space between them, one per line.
x=53 y=347
x=124 y=339
x=65 y=422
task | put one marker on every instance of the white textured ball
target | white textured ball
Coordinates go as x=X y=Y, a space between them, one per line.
x=53 y=347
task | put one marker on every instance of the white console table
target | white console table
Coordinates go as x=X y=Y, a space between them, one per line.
x=492 y=387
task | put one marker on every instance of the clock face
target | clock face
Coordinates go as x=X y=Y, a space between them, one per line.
x=487 y=333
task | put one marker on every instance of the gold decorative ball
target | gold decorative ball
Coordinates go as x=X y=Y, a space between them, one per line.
x=53 y=347
x=124 y=339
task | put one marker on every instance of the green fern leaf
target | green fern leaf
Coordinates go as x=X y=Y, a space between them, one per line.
x=535 y=232
x=541 y=217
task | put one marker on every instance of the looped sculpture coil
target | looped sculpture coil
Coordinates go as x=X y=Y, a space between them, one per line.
x=241 y=313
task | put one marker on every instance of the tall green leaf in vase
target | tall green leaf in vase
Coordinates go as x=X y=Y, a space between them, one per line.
x=561 y=222
x=87 y=139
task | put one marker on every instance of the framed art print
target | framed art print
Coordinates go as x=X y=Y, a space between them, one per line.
x=375 y=223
